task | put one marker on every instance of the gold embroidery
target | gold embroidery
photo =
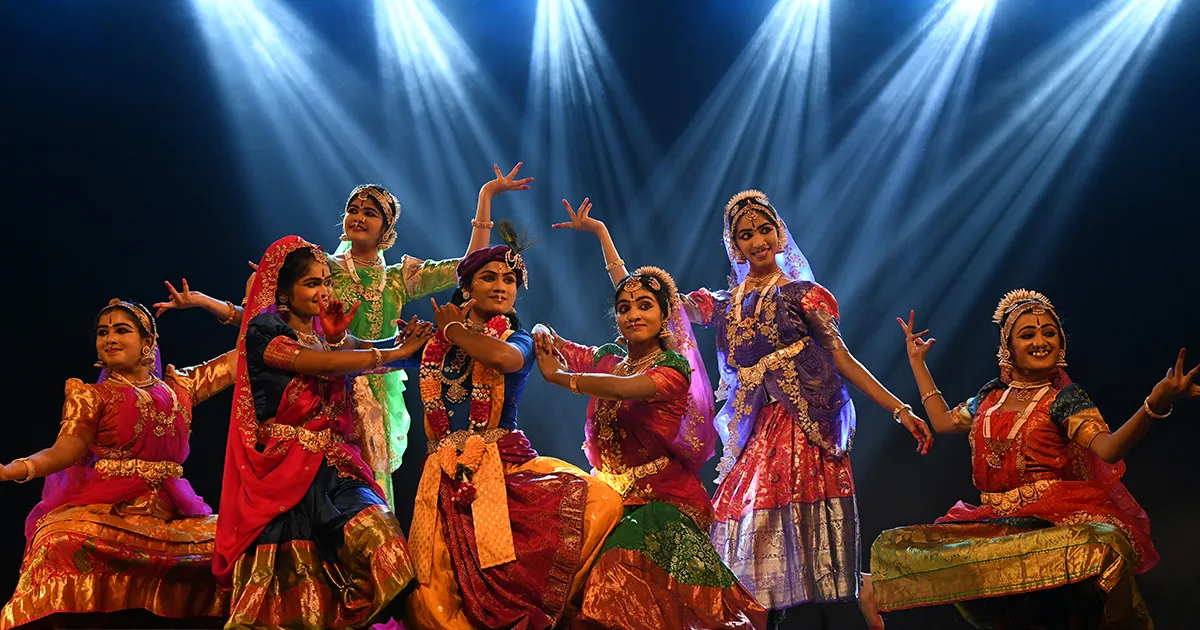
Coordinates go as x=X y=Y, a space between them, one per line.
x=624 y=481
x=323 y=441
x=1008 y=502
x=153 y=472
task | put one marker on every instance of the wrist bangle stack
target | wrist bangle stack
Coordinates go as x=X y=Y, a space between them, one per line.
x=338 y=344
x=931 y=394
x=901 y=409
x=232 y=313
x=483 y=225
x=575 y=383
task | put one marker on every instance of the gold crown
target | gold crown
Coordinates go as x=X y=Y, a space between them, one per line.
x=1013 y=298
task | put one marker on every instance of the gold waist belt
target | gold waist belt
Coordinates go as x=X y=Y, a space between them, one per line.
x=623 y=482
x=1012 y=500
x=459 y=439
x=753 y=375
x=153 y=472
x=312 y=441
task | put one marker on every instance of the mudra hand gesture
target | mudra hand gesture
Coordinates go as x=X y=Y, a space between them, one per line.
x=550 y=361
x=581 y=219
x=504 y=183
x=1176 y=385
x=335 y=319
x=916 y=346
x=555 y=340
x=415 y=334
x=444 y=316
x=178 y=300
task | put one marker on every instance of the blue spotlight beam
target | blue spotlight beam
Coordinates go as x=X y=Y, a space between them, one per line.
x=449 y=117
x=765 y=125
x=1063 y=97
x=287 y=97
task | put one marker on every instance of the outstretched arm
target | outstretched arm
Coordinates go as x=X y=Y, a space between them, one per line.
x=67 y=450
x=582 y=221
x=494 y=353
x=554 y=369
x=482 y=233
x=1176 y=385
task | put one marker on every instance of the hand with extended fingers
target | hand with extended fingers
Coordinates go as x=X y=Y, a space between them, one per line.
x=554 y=338
x=581 y=219
x=1176 y=385
x=444 y=316
x=504 y=183
x=550 y=360
x=916 y=346
x=179 y=300
x=415 y=334
x=335 y=319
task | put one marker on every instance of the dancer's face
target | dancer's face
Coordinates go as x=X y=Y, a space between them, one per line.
x=1034 y=344
x=119 y=341
x=639 y=317
x=757 y=239
x=312 y=289
x=363 y=222
x=494 y=289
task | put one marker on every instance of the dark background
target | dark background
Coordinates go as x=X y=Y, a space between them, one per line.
x=121 y=170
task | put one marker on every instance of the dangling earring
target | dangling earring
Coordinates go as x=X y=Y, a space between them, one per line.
x=622 y=341
x=147 y=357
x=667 y=338
x=100 y=362
x=282 y=307
x=1062 y=358
x=466 y=295
x=343 y=238
x=741 y=258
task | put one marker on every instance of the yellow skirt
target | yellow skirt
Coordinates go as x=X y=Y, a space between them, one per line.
x=438 y=604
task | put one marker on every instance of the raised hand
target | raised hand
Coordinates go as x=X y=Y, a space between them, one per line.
x=550 y=360
x=557 y=341
x=916 y=346
x=1176 y=385
x=445 y=315
x=414 y=336
x=178 y=300
x=335 y=319
x=581 y=219
x=504 y=183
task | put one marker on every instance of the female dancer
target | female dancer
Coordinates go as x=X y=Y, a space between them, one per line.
x=305 y=537
x=1053 y=509
x=501 y=538
x=118 y=527
x=649 y=430
x=361 y=277
x=786 y=518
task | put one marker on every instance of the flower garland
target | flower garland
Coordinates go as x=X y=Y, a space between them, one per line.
x=431 y=383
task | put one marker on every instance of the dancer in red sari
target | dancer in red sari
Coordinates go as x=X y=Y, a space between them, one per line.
x=1053 y=511
x=118 y=527
x=649 y=430
x=305 y=537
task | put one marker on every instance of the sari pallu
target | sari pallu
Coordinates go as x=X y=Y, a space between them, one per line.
x=510 y=545
x=305 y=538
x=123 y=529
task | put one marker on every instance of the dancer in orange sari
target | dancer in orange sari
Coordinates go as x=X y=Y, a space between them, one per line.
x=305 y=537
x=1053 y=511
x=118 y=527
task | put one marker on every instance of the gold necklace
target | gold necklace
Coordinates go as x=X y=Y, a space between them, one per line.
x=760 y=285
x=1027 y=389
x=124 y=380
x=164 y=421
x=311 y=339
x=456 y=393
x=371 y=294
x=629 y=368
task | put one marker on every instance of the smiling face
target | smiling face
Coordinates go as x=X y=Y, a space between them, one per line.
x=757 y=238
x=310 y=291
x=494 y=289
x=363 y=222
x=1034 y=344
x=120 y=342
x=639 y=315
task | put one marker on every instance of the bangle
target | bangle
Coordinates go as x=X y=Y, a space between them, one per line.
x=378 y=358
x=898 y=410
x=338 y=344
x=614 y=264
x=483 y=225
x=936 y=392
x=232 y=313
x=575 y=382
x=30 y=472
x=446 y=328
x=1150 y=412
